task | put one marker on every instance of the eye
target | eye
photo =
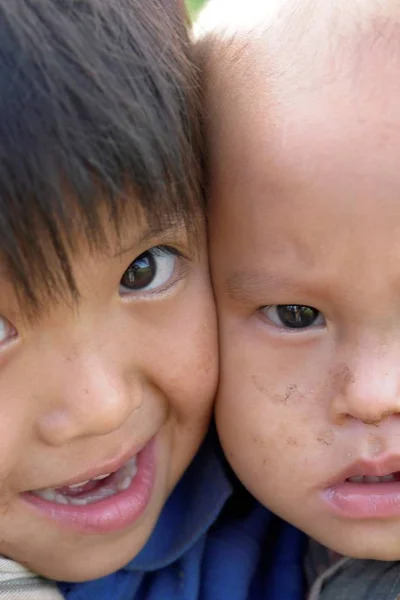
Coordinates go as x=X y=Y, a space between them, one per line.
x=7 y=330
x=293 y=316
x=149 y=271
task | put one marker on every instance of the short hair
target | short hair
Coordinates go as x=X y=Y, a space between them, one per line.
x=99 y=110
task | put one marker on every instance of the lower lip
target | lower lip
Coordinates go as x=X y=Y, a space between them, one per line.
x=111 y=514
x=365 y=500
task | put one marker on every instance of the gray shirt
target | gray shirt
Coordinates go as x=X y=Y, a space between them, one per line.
x=17 y=583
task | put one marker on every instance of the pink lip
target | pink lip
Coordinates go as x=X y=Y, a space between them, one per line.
x=365 y=500
x=110 y=514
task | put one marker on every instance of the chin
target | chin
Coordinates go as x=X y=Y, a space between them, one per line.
x=79 y=571
x=86 y=563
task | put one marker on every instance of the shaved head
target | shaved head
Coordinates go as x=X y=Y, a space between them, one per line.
x=239 y=17
x=296 y=36
x=265 y=56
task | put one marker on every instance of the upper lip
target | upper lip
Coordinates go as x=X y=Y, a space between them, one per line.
x=368 y=468
x=109 y=466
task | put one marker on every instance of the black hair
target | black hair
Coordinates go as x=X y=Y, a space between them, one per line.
x=99 y=109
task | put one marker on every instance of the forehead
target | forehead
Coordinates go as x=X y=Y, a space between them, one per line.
x=276 y=125
x=302 y=159
x=261 y=81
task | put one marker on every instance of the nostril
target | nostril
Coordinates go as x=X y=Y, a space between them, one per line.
x=376 y=419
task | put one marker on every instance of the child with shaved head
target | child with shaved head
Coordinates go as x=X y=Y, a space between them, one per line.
x=304 y=194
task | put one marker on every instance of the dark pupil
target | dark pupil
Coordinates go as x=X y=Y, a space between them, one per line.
x=296 y=315
x=140 y=273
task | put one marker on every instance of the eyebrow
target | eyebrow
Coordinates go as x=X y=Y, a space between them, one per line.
x=244 y=285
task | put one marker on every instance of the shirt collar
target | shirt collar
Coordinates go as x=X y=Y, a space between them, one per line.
x=190 y=510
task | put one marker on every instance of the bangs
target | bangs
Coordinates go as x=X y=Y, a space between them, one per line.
x=96 y=98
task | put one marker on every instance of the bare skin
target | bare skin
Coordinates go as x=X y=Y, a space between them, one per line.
x=305 y=212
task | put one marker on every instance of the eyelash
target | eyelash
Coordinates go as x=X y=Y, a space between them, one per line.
x=164 y=249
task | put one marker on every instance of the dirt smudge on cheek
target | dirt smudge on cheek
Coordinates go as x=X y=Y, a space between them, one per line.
x=293 y=394
x=290 y=395
x=326 y=437
x=341 y=378
x=260 y=387
x=291 y=441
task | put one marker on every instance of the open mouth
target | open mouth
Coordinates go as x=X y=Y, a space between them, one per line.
x=390 y=478
x=108 y=502
x=92 y=490
x=367 y=490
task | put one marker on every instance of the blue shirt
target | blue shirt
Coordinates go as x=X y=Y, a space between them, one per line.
x=211 y=542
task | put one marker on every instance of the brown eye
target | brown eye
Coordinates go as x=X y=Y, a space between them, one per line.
x=140 y=272
x=293 y=316
x=297 y=316
x=150 y=270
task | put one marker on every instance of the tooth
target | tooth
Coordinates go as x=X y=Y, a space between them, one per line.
x=102 y=493
x=371 y=479
x=387 y=477
x=77 y=485
x=60 y=499
x=124 y=484
x=131 y=463
x=356 y=479
x=130 y=468
x=131 y=471
x=100 y=477
x=78 y=501
x=99 y=495
x=47 y=494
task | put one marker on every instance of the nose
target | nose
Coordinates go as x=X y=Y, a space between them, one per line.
x=89 y=399
x=367 y=388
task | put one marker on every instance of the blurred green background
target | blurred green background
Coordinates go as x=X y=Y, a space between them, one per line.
x=194 y=6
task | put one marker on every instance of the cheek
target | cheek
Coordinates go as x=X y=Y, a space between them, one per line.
x=252 y=430
x=273 y=378
x=262 y=444
x=196 y=343
x=175 y=345
x=188 y=365
x=270 y=409
x=271 y=448
x=190 y=375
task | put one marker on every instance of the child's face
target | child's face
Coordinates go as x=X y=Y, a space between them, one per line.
x=305 y=253
x=129 y=371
